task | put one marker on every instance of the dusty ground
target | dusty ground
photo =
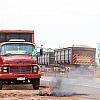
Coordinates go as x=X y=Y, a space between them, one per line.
x=25 y=92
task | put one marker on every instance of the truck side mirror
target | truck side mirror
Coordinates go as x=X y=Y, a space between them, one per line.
x=41 y=51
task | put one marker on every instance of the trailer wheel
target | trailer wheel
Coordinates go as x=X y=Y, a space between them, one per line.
x=0 y=85
x=36 y=83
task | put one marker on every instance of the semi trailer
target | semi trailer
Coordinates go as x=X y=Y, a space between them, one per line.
x=75 y=55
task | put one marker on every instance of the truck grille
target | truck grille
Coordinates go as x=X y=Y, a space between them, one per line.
x=20 y=69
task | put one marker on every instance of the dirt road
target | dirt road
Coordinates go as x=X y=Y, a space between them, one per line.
x=25 y=92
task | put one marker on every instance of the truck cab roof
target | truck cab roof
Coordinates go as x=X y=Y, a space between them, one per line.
x=16 y=43
x=16 y=31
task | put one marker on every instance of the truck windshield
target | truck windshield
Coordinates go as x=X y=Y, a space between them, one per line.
x=18 y=48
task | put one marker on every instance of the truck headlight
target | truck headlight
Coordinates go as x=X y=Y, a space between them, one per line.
x=34 y=69
x=5 y=69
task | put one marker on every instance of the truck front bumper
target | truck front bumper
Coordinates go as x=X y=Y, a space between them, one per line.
x=14 y=76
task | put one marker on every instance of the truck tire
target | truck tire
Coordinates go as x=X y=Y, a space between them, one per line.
x=0 y=85
x=36 y=83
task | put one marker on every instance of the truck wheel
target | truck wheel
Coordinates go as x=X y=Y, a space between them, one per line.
x=36 y=83
x=0 y=85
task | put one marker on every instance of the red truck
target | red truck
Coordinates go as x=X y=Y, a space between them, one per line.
x=18 y=58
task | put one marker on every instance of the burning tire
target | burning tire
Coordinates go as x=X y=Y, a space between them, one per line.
x=0 y=85
x=36 y=83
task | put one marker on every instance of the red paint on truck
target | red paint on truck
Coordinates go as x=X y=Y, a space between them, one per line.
x=17 y=64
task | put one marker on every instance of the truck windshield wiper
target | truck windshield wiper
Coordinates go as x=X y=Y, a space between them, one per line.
x=28 y=53
x=7 y=54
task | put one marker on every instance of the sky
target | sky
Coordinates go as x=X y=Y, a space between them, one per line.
x=56 y=23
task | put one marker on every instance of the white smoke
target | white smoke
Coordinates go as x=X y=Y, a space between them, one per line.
x=76 y=82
